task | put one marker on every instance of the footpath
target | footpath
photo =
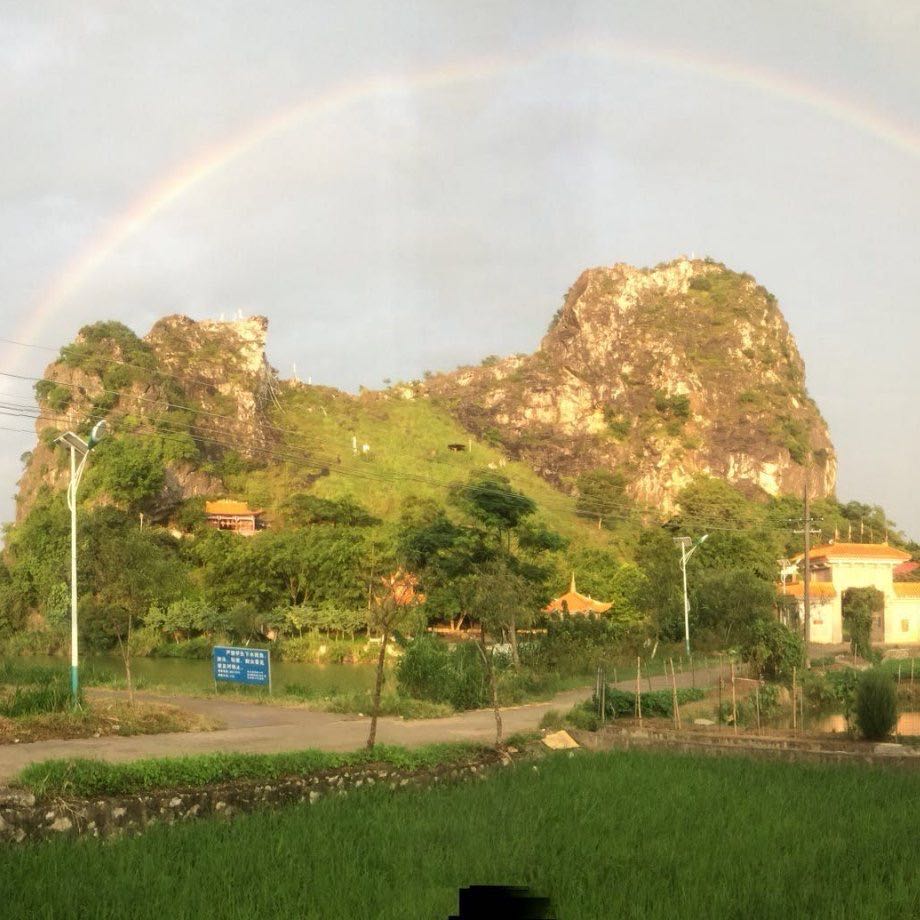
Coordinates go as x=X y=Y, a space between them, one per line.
x=264 y=728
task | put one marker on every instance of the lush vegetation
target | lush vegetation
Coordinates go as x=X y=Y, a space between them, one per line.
x=875 y=707
x=487 y=540
x=88 y=778
x=618 y=835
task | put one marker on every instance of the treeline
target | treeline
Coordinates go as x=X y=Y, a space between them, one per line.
x=482 y=556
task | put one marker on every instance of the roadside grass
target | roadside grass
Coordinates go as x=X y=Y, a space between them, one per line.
x=632 y=834
x=80 y=777
x=102 y=717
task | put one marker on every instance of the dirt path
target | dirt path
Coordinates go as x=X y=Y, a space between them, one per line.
x=264 y=728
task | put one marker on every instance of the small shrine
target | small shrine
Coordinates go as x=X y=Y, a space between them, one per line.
x=573 y=602
x=237 y=517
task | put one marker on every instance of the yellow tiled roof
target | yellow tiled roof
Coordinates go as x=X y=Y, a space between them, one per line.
x=228 y=506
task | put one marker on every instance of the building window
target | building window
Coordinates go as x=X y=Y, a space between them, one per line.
x=905 y=625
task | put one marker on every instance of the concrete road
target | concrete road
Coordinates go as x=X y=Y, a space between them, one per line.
x=265 y=728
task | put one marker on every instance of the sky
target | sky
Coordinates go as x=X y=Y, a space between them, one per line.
x=410 y=186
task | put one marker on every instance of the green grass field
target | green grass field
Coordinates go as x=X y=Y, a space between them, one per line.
x=612 y=835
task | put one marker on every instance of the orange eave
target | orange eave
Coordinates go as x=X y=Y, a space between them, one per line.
x=855 y=551
x=817 y=589
x=907 y=589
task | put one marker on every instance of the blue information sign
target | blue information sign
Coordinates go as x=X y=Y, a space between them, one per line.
x=242 y=665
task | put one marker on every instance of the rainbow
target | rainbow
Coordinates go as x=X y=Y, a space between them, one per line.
x=212 y=160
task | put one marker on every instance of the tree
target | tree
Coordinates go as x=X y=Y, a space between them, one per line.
x=393 y=604
x=728 y=603
x=490 y=499
x=601 y=495
x=501 y=599
x=129 y=470
x=662 y=597
x=859 y=605
x=129 y=571
x=304 y=510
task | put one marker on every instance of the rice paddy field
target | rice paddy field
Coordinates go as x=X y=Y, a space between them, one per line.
x=602 y=835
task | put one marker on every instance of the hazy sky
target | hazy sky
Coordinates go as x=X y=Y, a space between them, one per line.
x=409 y=186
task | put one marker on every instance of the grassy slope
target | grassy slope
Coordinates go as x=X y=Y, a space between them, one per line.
x=622 y=835
x=407 y=438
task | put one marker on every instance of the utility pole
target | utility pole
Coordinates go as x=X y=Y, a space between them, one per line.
x=76 y=445
x=807 y=585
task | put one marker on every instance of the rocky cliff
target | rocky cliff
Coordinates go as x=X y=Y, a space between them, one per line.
x=655 y=374
x=658 y=374
x=193 y=393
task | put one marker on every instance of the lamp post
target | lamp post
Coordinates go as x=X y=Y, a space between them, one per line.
x=77 y=445
x=684 y=542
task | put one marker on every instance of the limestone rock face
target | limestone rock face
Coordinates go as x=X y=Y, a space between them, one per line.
x=660 y=374
x=199 y=389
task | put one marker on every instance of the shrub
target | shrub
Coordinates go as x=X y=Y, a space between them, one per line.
x=876 y=704
x=655 y=703
x=773 y=649
x=430 y=670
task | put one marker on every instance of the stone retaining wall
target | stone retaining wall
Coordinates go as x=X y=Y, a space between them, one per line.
x=23 y=819
x=772 y=748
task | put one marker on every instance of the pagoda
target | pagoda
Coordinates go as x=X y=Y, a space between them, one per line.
x=573 y=602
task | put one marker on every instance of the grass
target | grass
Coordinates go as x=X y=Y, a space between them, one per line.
x=102 y=717
x=608 y=835
x=84 y=778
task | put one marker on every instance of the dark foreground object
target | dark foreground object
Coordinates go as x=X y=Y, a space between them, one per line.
x=481 y=901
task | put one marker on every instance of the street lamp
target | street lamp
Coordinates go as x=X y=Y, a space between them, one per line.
x=77 y=446
x=684 y=542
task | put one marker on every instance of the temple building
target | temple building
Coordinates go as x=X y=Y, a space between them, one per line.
x=573 y=602
x=837 y=567
x=234 y=516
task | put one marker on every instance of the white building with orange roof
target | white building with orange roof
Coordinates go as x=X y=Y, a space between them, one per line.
x=837 y=567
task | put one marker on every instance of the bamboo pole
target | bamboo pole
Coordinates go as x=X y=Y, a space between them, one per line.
x=639 y=689
x=603 y=697
x=793 y=701
x=648 y=674
x=911 y=673
x=674 y=697
x=757 y=704
x=899 y=673
x=734 y=701
x=693 y=670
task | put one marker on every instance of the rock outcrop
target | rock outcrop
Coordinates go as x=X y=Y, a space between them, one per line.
x=197 y=390
x=659 y=374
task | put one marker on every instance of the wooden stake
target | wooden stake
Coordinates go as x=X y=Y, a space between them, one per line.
x=674 y=697
x=603 y=697
x=911 y=673
x=639 y=689
x=757 y=704
x=734 y=701
x=693 y=670
x=899 y=673
x=648 y=675
x=793 y=700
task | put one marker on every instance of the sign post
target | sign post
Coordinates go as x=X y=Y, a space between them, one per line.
x=250 y=666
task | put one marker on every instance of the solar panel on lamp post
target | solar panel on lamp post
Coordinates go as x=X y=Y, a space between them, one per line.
x=77 y=445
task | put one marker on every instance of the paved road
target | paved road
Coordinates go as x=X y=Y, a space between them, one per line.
x=265 y=728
